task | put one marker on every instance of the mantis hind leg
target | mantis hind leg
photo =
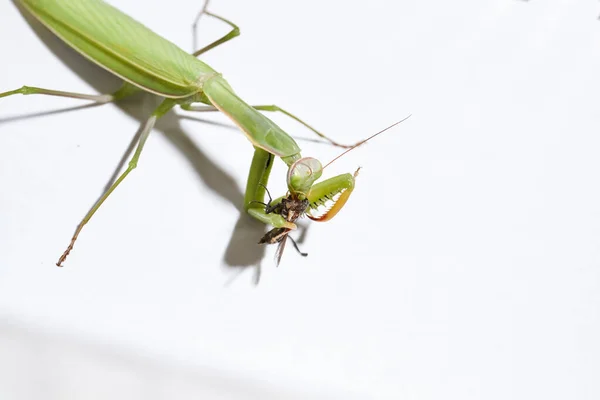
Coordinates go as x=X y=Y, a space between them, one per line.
x=235 y=31
x=145 y=130
x=125 y=90
x=273 y=108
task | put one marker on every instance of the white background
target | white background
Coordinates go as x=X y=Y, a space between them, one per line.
x=466 y=264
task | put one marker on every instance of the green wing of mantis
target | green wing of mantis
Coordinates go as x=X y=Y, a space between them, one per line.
x=122 y=45
x=133 y=52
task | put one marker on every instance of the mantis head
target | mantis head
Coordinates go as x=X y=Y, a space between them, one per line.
x=302 y=174
x=323 y=200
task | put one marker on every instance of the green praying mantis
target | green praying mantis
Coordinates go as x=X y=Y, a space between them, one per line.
x=148 y=62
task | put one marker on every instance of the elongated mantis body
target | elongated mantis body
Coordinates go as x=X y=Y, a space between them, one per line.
x=148 y=62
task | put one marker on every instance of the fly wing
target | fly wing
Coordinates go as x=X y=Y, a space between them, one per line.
x=280 y=248
x=121 y=45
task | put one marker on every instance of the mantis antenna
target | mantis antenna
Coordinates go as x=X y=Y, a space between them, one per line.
x=367 y=139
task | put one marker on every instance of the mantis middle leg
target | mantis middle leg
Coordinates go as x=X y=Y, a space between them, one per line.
x=235 y=31
x=273 y=108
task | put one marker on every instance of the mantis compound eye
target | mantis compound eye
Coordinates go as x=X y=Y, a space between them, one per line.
x=302 y=174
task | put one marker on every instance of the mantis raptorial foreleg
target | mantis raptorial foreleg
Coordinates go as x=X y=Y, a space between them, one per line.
x=125 y=90
x=273 y=108
x=235 y=31
x=258 y=177
x=340 y=186
x=145 y=130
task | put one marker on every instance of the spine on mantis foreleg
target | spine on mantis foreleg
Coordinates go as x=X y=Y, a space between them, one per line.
x=328 y=197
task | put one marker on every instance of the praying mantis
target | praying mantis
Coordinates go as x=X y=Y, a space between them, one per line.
x=148 y=62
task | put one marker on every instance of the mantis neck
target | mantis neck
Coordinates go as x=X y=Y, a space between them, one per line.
x=260 y=130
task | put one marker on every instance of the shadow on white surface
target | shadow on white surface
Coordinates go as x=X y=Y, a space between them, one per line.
x=38 y=364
